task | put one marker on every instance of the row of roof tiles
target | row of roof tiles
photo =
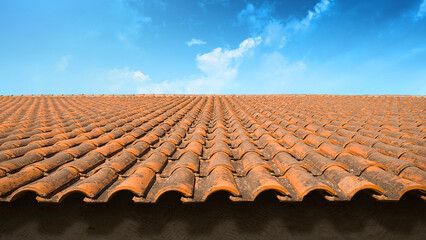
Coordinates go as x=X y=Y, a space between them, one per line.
x=149 y=145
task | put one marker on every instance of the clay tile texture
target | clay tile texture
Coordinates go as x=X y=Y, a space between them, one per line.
x=196 y=145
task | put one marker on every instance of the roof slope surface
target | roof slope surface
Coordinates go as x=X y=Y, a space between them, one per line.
x=149 y=145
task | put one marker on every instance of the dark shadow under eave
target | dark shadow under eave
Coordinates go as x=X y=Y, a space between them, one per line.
x=218 y=217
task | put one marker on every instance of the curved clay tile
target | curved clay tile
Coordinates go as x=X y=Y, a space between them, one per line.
x=252 y=160
x=414 y=174
x=220 y=179
x=420 y=161
x=219 y=146
x=358 y=164
x=340 y=140
x=285 y=161
x=194 y=147
x=217 y=125
x=90 y=186
x=87 y=162
x=17 y=163
x=304 y=183
x=350 y=184
x=158 y=131
x=167 y=148
x=312 y=127
x=150 y=138
x=138 y=148
x=73 y=141
x=81 y=149
x=265 y=139
x=245 y=147
x=238 y=140
x=260 y=179
x=391 y=140
x=324 y=132
x=221 y=143
x=321 y=163
x=138 y=183
x=259 y=132
x=394 y=185
x=219 y=159
x=174 y=138
x=414 y=140
x=331 y=149
x=390 y=150
x=125 y=140
x=181 y=180
x=197 y=137
x=394 y=164
x=273 y=148
x=13 y=181
x=369 y=141
x=314 y=139
x=50 y=150
x=156 y=161
x=360 y=149
x=123 y=161
x=302 y=149
x=49 y=184
x=420 y=150
x=188 y=160
x=109 y=149
x=302 y=133
x=100 y=140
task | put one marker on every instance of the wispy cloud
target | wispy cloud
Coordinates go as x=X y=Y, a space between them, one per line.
x=219 y=70
x=220 y=67
x=63 y=63
x=126 y=74
x=135 y=23
x=123 y=80
x=275 y=70
x=275 y=31
x=272 y=65
x=140 y=77
x=421 y=12
x=255 y=18
x=319 y=9
x=195 y=41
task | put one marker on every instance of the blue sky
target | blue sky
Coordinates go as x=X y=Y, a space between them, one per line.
x=213 y=46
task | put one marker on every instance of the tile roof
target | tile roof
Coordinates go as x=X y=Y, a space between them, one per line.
x=99 y=145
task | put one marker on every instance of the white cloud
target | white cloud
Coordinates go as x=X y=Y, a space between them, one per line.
x=140 y=77
x=421 y=12
x=63 y=63
x=319 y=9
x=275 y=67
x=195 y=42
x=219 y=70
x=220 y=67
x=126 y=74
x=275 y=32
x=255 y=18
x=133 y=22
x=124 y=80
x=220 y=60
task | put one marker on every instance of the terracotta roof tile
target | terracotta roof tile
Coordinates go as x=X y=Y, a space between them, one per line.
x=149 y=145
